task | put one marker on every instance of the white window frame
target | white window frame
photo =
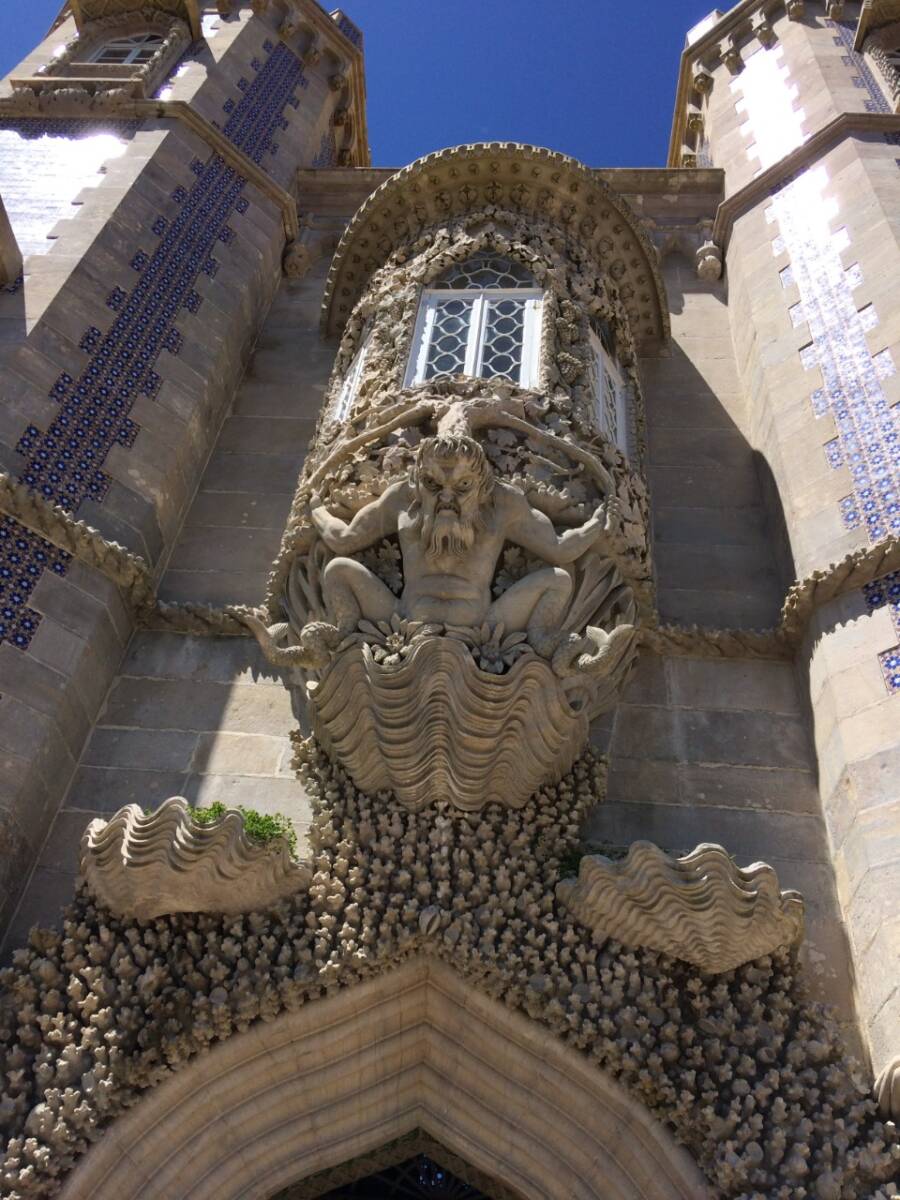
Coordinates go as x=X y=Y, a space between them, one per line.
x=606 y=367
x=481 y=298
x=347 y=394
x=134 y=54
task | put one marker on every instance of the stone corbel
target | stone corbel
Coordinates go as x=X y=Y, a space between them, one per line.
x=688 y=157
x=290 y=25
x=701 y=78
x=730 y=53
x=763 y=29
x=834 y=9
x=695 y=119
x=313 y=51
x=796 y=9
x=709 y=261
x=338 y=81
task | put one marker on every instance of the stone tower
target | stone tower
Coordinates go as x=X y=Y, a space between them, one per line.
x=450 y=644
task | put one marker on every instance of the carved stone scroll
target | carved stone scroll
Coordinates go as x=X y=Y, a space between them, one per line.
x=144 y=866
x=702 y=908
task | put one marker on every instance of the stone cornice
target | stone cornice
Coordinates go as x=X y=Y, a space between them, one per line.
x=323 y=26
x=704 y=47
x=89 y=10
x=76 y=101
x=527 y=178
x=829 y=135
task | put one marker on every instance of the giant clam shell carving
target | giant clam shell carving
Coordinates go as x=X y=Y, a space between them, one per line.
x=702 y=908
x=146 y=866
x=438 y=727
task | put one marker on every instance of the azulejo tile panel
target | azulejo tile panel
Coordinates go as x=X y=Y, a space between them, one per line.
x=881 y=593
x=868 y=430
x=65 y=461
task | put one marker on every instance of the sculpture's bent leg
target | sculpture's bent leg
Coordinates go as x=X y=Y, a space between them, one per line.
x=536 y=604
x=351 y=592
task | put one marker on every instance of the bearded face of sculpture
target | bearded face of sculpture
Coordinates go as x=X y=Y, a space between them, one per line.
x=454 y=484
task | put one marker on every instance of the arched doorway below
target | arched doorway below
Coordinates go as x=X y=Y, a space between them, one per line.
x=417 y=1048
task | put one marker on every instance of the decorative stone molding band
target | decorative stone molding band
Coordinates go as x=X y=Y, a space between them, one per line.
x=78 y=102
x=824 y=139
x=92 y=10
x=131 y=573
x=128 y=571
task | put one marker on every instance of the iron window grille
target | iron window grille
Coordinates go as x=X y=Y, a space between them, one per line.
x=481 y=318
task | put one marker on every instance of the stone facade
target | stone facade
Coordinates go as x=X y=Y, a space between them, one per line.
x=527 y=535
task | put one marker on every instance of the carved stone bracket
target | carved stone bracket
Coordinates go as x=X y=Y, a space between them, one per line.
x=702 y=908
x=763 y=29
x=532 y=181
x=709 y=261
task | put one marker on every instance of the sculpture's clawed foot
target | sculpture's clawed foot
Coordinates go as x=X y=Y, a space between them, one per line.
x=598 y=654
x=311 y=652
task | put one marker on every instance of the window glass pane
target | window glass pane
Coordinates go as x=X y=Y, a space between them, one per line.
x=486 y=271
x=137 y=49
x=449 y=335
x=504 y=330
x=113 y=54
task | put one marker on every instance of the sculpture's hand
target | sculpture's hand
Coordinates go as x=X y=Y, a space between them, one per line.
x=609 y=516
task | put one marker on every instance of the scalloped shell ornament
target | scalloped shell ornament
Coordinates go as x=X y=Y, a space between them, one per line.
x=438 y=727
x=702 y=908
x=145 y=866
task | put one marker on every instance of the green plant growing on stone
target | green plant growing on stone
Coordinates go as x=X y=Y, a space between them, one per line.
x=260 y=827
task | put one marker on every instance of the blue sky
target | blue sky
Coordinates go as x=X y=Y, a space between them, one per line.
x=593 y=78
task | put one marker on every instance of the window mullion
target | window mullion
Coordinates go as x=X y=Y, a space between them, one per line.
x=476 y=334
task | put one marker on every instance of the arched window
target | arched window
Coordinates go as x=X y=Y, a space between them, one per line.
x=135 y=50
x=481 y=318
x=612 y=405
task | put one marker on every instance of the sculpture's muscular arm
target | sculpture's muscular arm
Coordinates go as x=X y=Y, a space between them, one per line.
x=370 y=524
x=534 y=532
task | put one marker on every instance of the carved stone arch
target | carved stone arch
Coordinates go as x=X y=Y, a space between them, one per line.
x=188 y=11
x=416 y=1048
x=393 y=293
x=538 y=184
x=883 y=47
